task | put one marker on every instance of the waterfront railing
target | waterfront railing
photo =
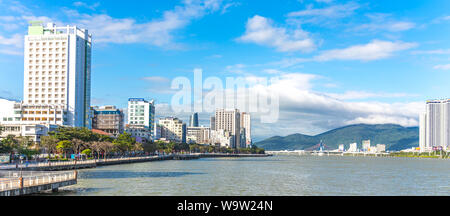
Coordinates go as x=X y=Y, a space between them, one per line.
x=10 y=180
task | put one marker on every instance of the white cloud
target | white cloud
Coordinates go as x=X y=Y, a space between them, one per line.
x=229 y=5
x=15 y=40
x=334 y=11
x=381 y=119
x=261 y=30
x=383 y=22
x=158 y=85
x=156 y=79
x=289 y=62
x=351 y=95
x=376 y=49
x=107 y=29
x=432 y=52
x=158 y=32
x=442 y=67
x=304 y=110
x=11 y=45
x=82 y=4
x=237 y=68
x=396 y=26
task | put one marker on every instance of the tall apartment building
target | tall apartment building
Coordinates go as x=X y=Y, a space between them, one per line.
x=57 y=75
x=193 y=120
x=108 y=119
x=246 y=124
x=434 y=129
x=173 y=129
x=141 y=117
x=212 y=123
x=229 y=120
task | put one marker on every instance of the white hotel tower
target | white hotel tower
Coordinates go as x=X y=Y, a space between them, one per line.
x=57 y=75
x=435 y=125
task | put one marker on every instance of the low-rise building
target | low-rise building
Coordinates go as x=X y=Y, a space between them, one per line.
x=34 y=131
x=199 y=135
x=341 y=147
x=381 y=148
x=140 y=132
x=108 y=119
x=222 y=138
x=353 y=147
x=365 y=145
x=173 y=129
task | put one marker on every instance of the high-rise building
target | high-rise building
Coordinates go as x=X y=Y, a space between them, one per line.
x=193 y=120
x=57 y=75
x=246 y=124
x=141 y=113
x=422 y=132
x=229 y=120
x=157 y=133
x=173 y=129
x=435 y=125
x=108 y=119
x=212 y=123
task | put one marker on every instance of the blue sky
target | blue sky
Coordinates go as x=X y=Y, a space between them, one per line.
x=343 y=62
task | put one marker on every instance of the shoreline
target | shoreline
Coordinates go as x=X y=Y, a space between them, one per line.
x=370 y=155
x=84 y=164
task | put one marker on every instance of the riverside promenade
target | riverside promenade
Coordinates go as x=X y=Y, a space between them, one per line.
x=83 y=164
x=16 y=183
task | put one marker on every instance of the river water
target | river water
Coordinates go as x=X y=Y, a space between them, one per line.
x=277 y=175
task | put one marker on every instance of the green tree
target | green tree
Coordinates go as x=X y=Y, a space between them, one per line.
x=106 y=147
x=64 y=146
x=8 y=144
x=149 y=146
x=77 y=145
x=49 y=143
x=87 y=152
x=124 y=142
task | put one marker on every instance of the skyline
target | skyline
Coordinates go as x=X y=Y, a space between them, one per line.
x=331 y=73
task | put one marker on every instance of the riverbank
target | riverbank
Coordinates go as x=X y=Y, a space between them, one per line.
x=404 y=155
x=83 y=164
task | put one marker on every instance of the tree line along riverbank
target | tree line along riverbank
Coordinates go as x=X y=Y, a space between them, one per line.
x=68 y=143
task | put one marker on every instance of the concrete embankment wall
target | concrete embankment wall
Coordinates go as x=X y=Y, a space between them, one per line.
x=234 y=155
x=115 y=161
x=62 y=167
x=38 y=188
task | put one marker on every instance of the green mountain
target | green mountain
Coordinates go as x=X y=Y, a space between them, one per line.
x=395 y=137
